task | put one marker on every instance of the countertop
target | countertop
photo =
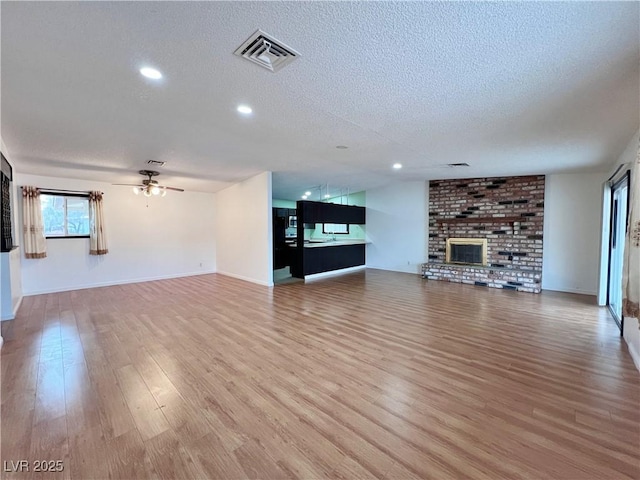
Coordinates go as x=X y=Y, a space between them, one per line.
x=331 y=243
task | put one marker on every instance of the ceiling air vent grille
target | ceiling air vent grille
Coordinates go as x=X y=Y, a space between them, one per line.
x=156 y=163
x=266 y=51
x=458 y=164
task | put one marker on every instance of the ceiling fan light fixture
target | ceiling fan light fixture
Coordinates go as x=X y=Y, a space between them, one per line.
x=150 y=187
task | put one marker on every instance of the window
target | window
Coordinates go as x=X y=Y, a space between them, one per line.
x=335 y=228
x=65 y=215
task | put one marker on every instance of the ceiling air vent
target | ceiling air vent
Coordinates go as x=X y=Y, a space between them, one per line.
x=458 y=164
x=266 y=51
x=156 y=163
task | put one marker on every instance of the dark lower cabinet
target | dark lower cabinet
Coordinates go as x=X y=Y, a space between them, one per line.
x=325 y=259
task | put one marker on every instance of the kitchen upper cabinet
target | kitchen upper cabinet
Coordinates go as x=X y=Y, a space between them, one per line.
x=334 y=213
x=320 y=212
x=355 y=215
x=309 y=211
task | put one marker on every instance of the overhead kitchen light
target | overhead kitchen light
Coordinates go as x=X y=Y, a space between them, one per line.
x=151 y=73
x=244 y=109
x=397 y=166
x=307 y=193
x=304 y=197
x=326 y=195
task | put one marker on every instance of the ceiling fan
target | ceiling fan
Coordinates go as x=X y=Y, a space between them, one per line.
x=149 y=187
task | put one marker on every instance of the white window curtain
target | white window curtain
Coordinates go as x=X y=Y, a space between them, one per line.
x=97 y=235
x=631 y=269
x=35 y=245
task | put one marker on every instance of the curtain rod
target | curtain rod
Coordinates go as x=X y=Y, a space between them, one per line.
x=64 y=191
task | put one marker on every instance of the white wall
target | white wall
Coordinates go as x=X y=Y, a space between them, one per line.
x=396 y=226
x=10 y=283
x=572 y=216
x=244 y=230
x=11 y=275
x=174 y=236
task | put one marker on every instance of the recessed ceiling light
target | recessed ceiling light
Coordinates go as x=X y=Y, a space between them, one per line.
x=245 y=109
x=397 y=166
x=307 y=193
x=304 y=197
x=151 y=73
x=342 y=147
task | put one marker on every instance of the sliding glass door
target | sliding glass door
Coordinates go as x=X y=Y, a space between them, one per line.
x=619 y=204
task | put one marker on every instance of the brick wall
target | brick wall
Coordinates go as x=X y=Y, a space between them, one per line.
x=507 y=211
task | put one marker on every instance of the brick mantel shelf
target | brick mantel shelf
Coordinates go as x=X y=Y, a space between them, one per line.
x=482 y=220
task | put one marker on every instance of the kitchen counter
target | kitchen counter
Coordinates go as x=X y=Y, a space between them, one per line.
x=331 y=243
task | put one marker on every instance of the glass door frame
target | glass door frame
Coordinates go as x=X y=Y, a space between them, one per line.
x=626 y=178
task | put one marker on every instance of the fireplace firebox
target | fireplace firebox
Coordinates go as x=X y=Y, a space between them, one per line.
x=468 y=251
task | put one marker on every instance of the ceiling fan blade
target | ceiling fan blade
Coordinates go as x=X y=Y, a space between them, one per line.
x=127 y=184
x=173 y=188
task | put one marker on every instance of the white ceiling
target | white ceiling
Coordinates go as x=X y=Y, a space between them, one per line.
x=510 y=88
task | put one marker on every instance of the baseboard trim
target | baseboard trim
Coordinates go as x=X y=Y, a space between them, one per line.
x=385 y=269
x=246 y=279
x=12 y=315
x=117 y=282
x=333 y=273
x=631 y=336
x=592 y=293
x=635 y=355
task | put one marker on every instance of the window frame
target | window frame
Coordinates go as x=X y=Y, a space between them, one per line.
x=65 y=195
x=335 y=233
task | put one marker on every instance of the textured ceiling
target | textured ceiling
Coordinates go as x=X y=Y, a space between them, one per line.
x=510 y=88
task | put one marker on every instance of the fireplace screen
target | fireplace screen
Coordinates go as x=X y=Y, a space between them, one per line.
x=471 y=251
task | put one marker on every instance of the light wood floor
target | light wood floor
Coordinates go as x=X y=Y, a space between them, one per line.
x=373 y=374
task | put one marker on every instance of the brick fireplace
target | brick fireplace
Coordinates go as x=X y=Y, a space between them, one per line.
x=506 y=214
